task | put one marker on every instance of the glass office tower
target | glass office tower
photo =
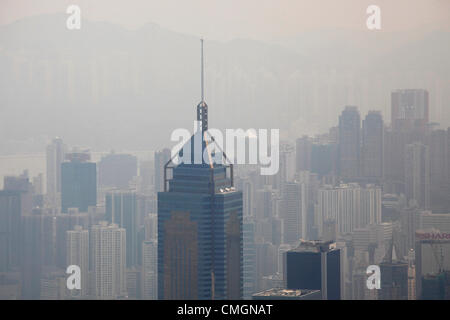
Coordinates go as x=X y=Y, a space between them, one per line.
x=315 y=265
x=200 y=237
x=78 y=183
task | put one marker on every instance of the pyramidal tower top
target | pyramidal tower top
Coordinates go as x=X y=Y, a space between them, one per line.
x=202 y=107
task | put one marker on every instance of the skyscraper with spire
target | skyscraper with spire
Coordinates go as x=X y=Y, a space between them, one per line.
x=200 y=236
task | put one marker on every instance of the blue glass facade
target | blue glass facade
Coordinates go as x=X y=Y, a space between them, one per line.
x=203 y=261
x=305 y=270
x=78 y=185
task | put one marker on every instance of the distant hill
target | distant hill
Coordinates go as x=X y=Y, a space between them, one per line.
x=108 y=87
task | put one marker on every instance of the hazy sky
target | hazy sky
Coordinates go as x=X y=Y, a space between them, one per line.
x=257 y=19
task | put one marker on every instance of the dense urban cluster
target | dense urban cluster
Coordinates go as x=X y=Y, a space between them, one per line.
x=365 y=193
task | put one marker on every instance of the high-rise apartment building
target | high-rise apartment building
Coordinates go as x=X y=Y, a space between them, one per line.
x=287 y=169
x=349 y=143
x=323 y=158
x=294 y=212
x=149 y=283
x=117 y=170
x=63 y=223
x=78 y=254
x=108 y=255
x=409 y=124
x=146 y=175
x=370 y=206
x=264 y=199
x=121 y=209
x=417 y=174
x=372 y=146
x=439 y=148
x=31 y=255
x=303 y=154
x=55 y=156
x=350 y=206
x=409 y=109
x=53 y=285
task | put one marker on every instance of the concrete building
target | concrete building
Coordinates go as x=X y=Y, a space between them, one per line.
x=294 y=212
x=349 y=143
x=349 y=206
x=54 y=157
x=78 y=254
x=108 y=255
x=149 y=283
x=409 y=109
x=121 y=209
x=372 y=146
x=417 y=174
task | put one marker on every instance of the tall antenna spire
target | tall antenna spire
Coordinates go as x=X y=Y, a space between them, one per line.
x=203 y=73
x=202 y=108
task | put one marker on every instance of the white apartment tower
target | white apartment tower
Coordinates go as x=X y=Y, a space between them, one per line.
x=78 y=254
x=294 y=215
x=108 y=249
x=54 y=157
x=149 y=283
x=349 y=206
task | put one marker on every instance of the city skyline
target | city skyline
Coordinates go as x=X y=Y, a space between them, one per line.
x=319 y=169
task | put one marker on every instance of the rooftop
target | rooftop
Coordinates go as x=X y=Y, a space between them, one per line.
x=278 y=292
x=314 y=246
